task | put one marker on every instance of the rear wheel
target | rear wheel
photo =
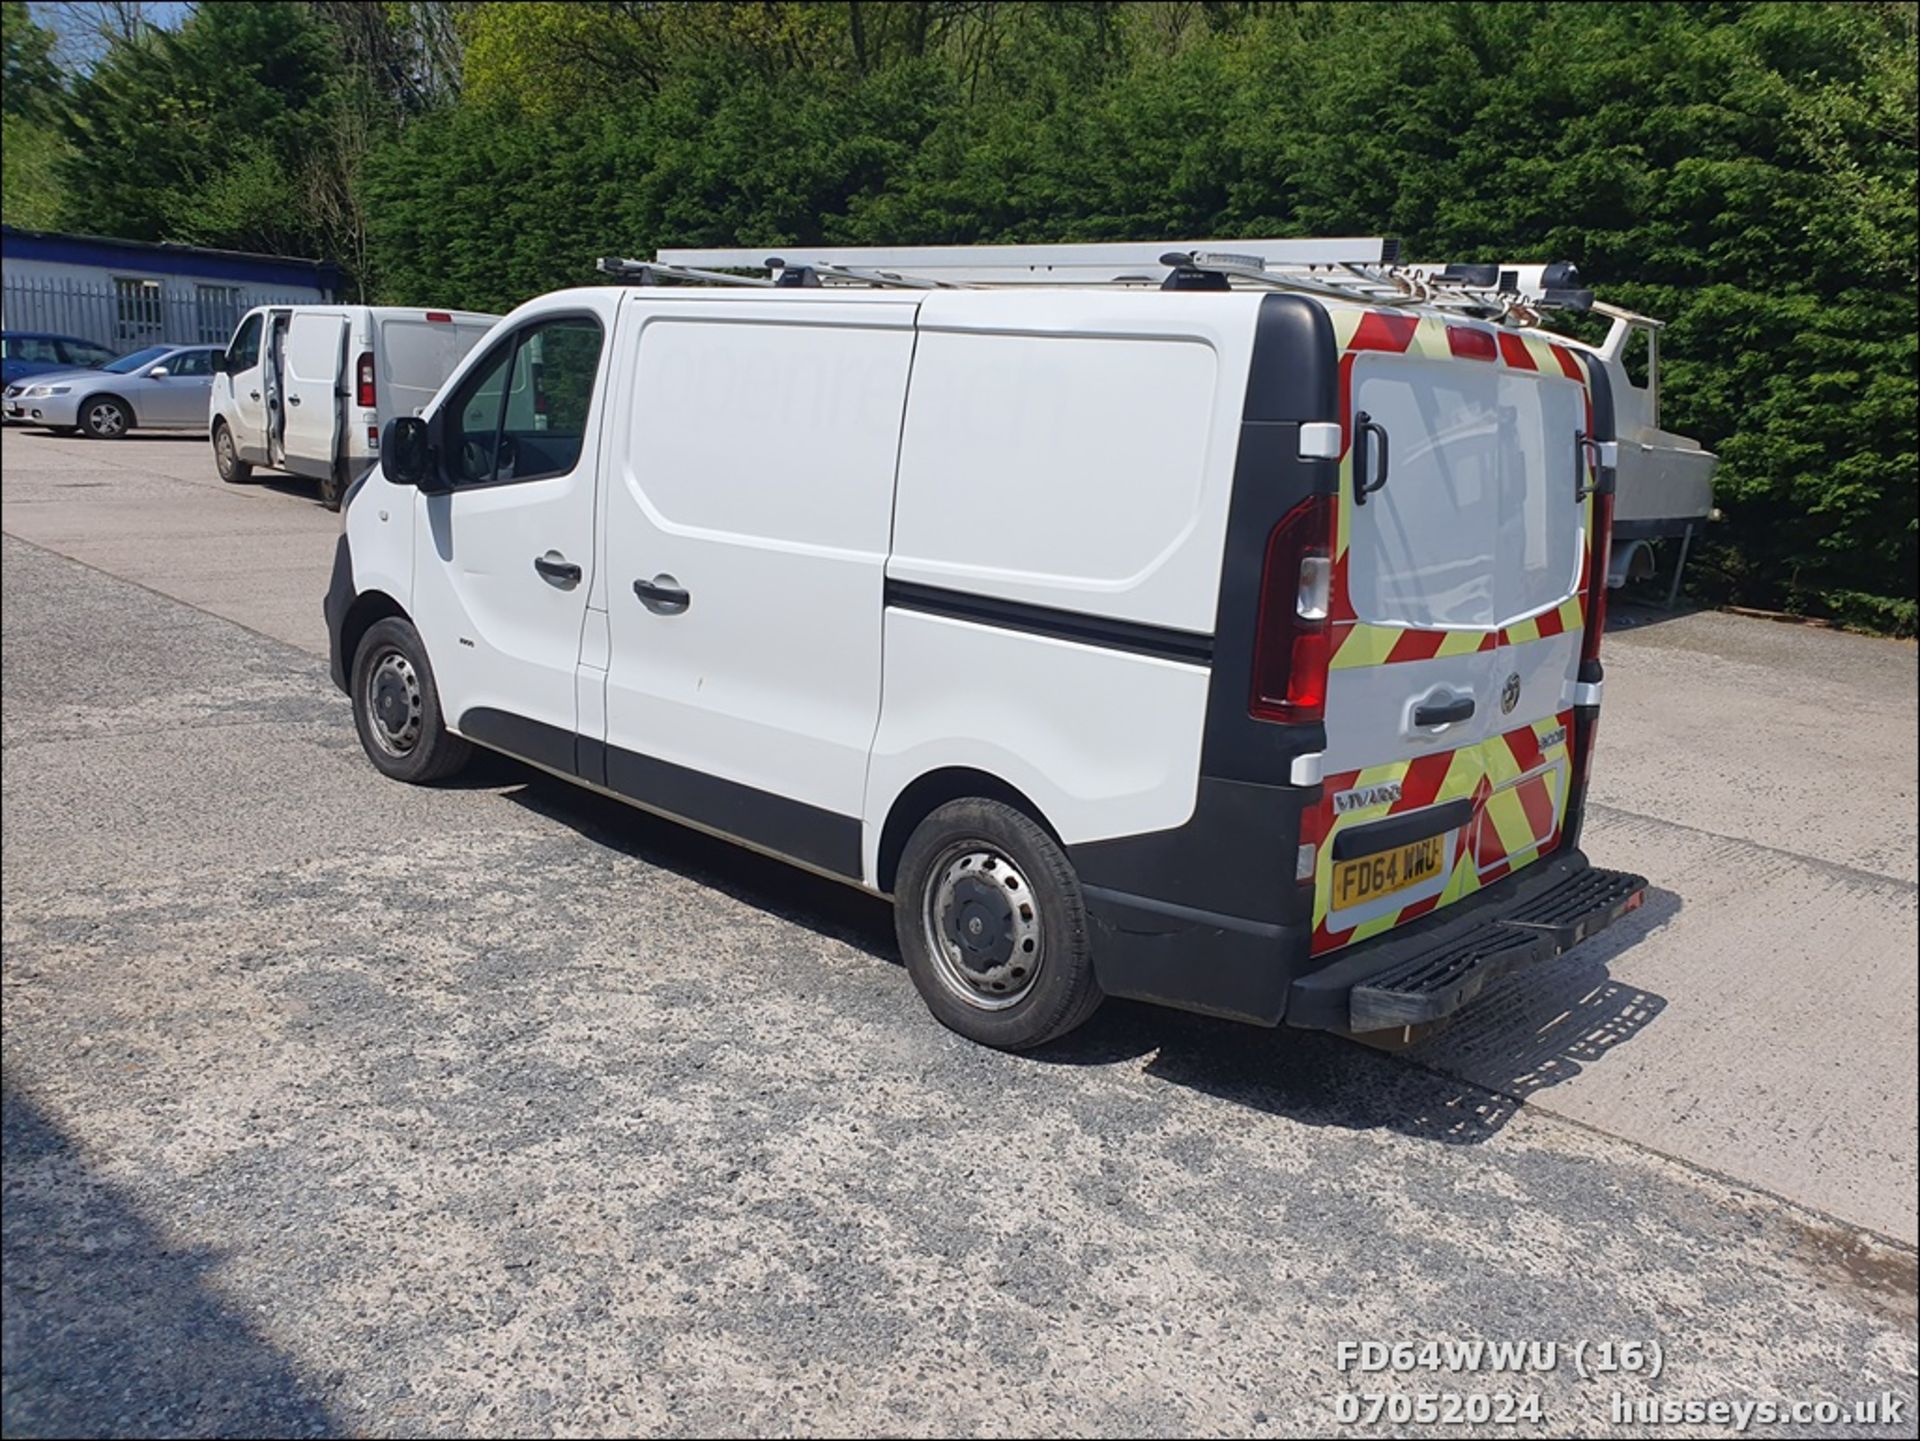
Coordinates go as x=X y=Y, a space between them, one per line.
x=105 y=417
x=226 y=456
x=396 y=707
x=993 y=926
x=332 y=488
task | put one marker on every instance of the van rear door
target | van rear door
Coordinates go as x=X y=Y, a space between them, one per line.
x=311 y=359
x=418 y=350
x=1457 y=558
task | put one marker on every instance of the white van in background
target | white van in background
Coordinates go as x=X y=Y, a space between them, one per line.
x=307 y=388
x=1163 y=626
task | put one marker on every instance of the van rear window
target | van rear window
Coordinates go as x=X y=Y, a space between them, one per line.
x=419 y=355
x=1477 y=524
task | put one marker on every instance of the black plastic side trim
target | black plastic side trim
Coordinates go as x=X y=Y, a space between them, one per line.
x=820 y=838
x=337 y=602
x=813 y=836
x=1194 y=960
x=1586 y=719
x=1160 y=642
x=1402 y=830
x=531 y=740
x=592 y=757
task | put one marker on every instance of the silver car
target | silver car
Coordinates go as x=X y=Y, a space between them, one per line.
x=163 y=387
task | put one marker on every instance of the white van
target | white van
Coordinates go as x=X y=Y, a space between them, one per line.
x=307 y=388
x=1228 y=643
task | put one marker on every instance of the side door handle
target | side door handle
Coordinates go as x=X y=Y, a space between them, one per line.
x=1442 y=713
x=253 y=395
x=556 y=568
x=293 y=400
x=662 y=595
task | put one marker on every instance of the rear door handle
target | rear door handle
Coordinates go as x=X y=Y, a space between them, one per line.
x=293 y=400
x=1366 y=479
x=558 y=569
x=662 y=595
x=1442 y=713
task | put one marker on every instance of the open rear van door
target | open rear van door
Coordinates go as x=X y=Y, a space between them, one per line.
x=313 y=355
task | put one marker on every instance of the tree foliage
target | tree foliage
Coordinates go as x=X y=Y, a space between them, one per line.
x=1745 y=171
x=29 y=100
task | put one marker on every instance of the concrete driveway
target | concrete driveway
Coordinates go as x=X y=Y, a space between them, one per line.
x=335 y=1104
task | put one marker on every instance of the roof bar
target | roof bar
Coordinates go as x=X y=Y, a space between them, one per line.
x=1136 y=261
x=650 y=272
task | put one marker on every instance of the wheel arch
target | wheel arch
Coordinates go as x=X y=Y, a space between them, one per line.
x=925 y=794
x=80 y=411
x=367 y=609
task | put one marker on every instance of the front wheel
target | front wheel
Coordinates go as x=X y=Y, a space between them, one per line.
x=226 y=457
x=105 y=417
x=993 y=926
x=396 y=707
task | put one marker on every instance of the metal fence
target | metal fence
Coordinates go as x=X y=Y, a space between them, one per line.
x=128 y=313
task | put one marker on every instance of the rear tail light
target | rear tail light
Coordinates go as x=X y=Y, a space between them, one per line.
x=363 y=381
x=1292 y=641
x=1600 y=552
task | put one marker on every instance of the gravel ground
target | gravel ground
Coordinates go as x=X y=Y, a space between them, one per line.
x=336 y=1105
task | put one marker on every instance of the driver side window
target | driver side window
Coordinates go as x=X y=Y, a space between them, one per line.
x=244 y=353
x=473 y=420
x=522 y=413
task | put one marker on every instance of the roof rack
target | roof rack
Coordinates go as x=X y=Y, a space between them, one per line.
x=1367 y=270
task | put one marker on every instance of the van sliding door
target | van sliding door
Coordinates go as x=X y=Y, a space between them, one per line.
x=311 y=367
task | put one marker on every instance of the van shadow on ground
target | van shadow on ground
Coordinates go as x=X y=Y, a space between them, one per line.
x=112 y=1331
x=1459 y=1087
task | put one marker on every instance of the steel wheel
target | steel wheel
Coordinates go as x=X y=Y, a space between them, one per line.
x=983 y=927
x=394 y=708
x=223 y=455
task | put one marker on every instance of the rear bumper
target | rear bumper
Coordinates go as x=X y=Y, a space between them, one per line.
x=1427 y=971
x=1419 y=973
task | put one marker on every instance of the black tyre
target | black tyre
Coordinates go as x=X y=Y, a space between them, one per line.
x=396 y=707
x=332 y=489
x=993 y=926
x=105 y=417
x=226 y=456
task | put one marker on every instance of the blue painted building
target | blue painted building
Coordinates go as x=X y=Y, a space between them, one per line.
x=130 y=293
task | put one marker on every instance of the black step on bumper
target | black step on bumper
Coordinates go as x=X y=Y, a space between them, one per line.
x=1428 y=970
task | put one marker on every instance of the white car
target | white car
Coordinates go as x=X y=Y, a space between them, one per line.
x=163 y=387
x=1234 y=647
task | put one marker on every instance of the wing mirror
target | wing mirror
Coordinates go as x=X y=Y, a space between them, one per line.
x=159 y=372
x=406 y=454
x=217 y=362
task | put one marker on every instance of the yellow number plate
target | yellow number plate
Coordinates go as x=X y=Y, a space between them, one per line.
x=1368 y=878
